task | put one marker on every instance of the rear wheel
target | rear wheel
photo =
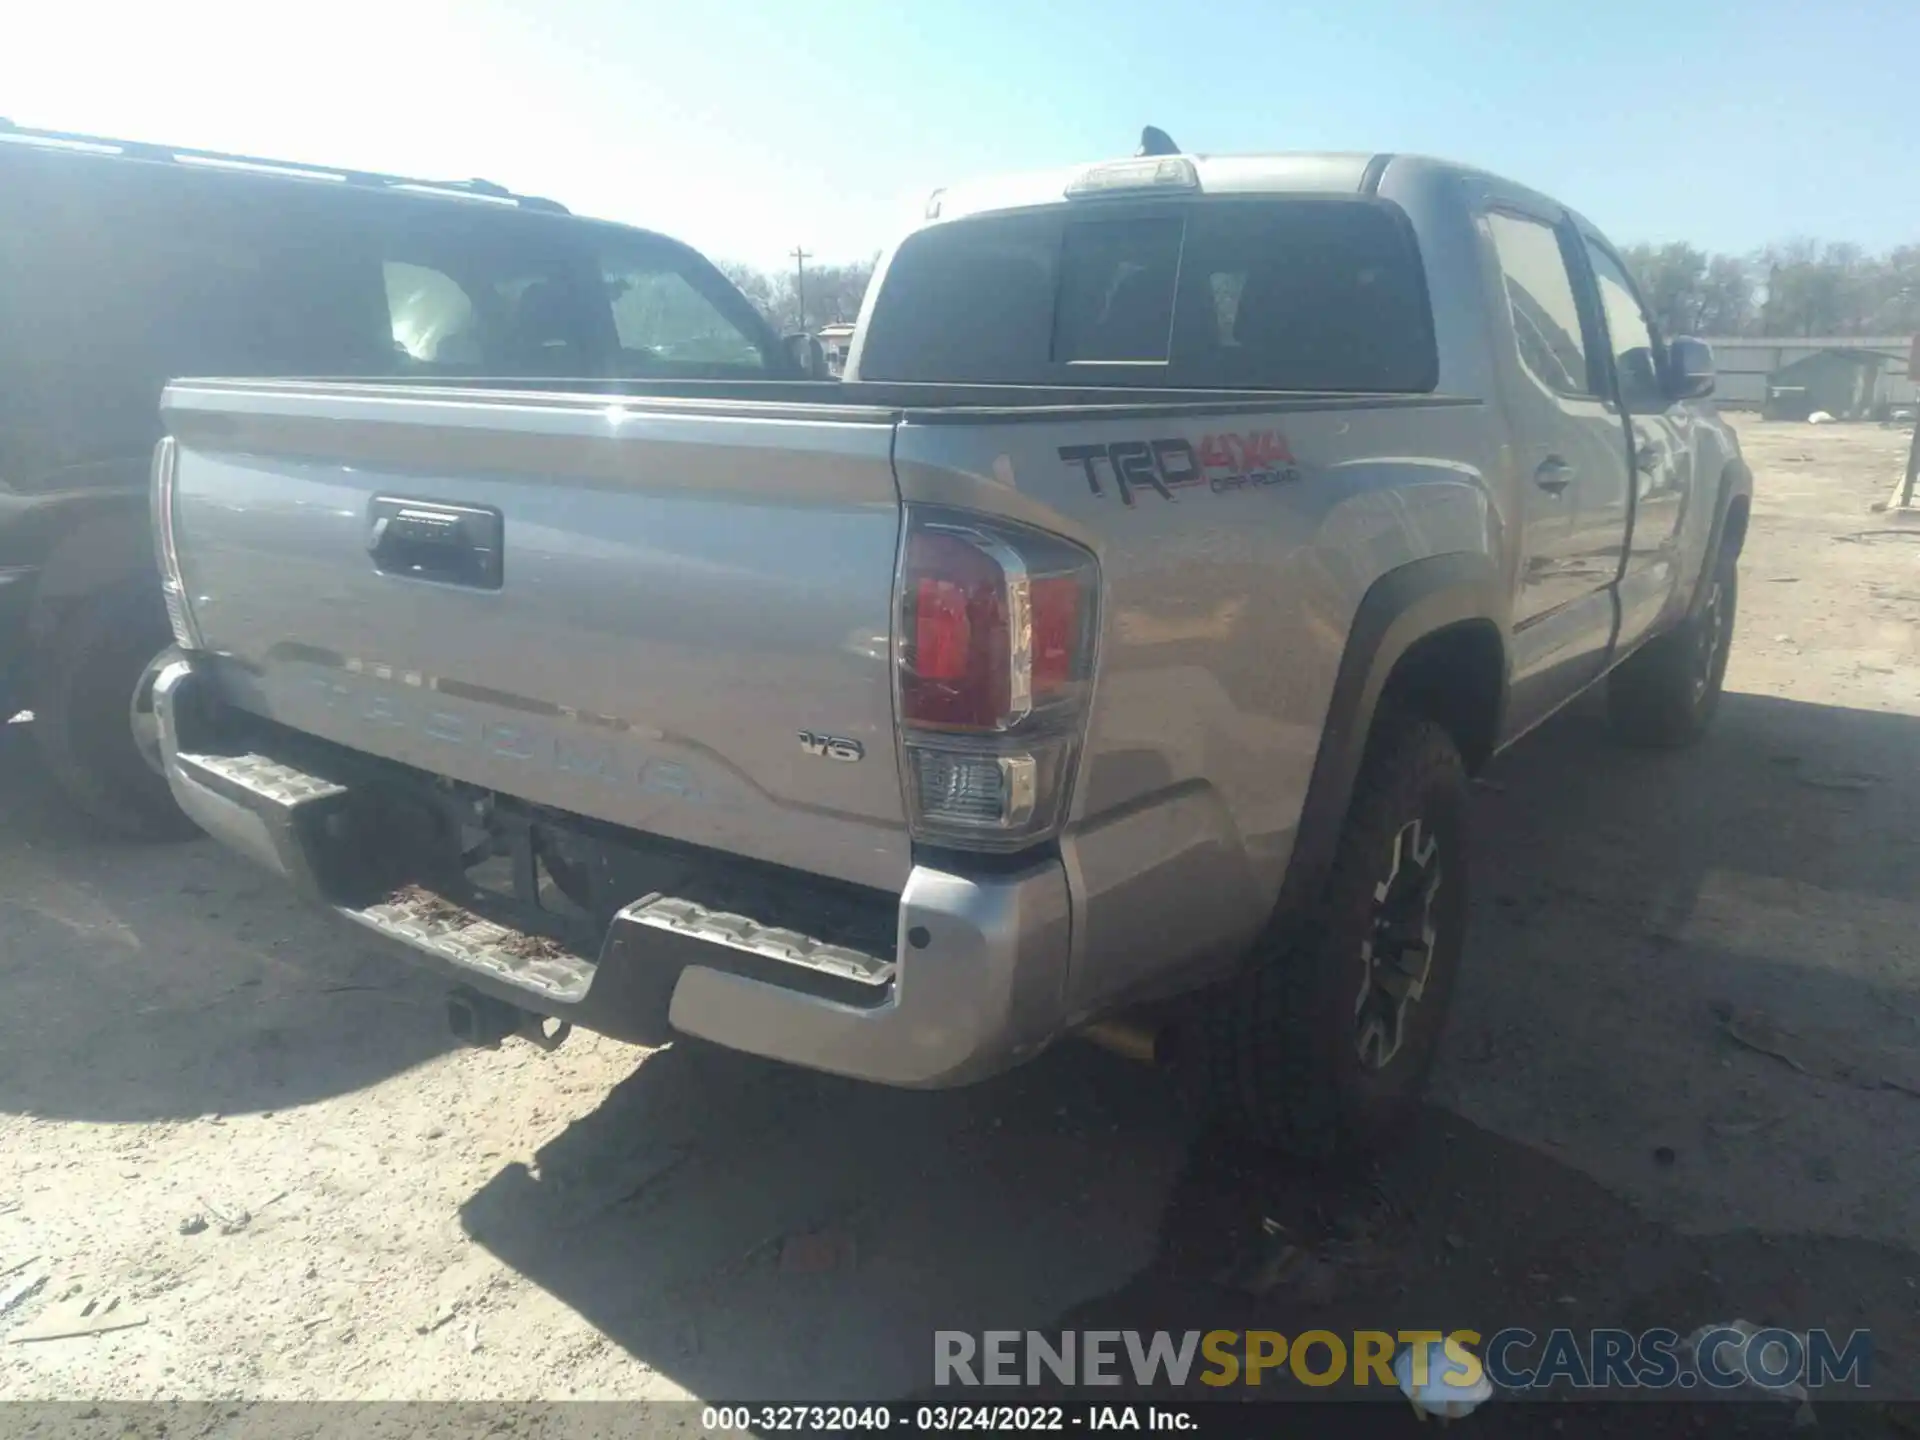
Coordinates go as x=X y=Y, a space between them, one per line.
x=1665 y=694
x=1325 y=1044
x=93 y=719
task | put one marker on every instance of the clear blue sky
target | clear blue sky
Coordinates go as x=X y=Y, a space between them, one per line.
x=746 y=126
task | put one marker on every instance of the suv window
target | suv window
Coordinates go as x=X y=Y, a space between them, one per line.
x=1541 y=300
x=661 y=319
x=1629 y=335
x=1300 y=293
x=534 y=299
x=128 y=274
x=433 y=319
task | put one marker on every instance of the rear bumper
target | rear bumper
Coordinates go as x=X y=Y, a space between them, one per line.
x=975 y=981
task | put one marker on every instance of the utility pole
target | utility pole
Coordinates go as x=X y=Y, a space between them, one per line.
x=800 y=258
x=1913 y=448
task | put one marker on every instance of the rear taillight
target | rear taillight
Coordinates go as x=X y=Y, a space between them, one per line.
x=166 y=459
x=997 y=626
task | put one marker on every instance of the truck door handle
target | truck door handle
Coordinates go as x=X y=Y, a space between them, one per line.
x=1554 y=475
x=427 y=540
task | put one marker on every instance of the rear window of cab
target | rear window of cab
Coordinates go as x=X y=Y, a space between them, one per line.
x=1305 y=293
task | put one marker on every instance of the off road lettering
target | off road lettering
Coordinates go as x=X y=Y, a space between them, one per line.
x=1219 y=462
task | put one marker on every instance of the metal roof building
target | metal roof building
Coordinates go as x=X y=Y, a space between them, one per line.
x=1744 y=363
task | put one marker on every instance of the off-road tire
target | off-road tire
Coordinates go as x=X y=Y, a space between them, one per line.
x=81 y=693
x=1276 y=1051
x=1665 y=694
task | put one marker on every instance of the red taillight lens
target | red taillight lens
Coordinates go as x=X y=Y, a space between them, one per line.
x=992 y=632
x=1055 y=604
x=942 y=631
x=955 y=672
x=997 y=625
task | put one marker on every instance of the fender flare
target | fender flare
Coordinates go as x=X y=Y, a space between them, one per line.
x=1736 y=480
x=1399 y=610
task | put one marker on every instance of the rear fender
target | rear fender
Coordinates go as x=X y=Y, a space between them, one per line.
x=1399 y=610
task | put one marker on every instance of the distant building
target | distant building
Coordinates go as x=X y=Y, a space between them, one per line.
x=1852 y=377
x=836 y=340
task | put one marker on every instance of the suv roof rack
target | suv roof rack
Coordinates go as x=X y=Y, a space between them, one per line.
x=218 y=160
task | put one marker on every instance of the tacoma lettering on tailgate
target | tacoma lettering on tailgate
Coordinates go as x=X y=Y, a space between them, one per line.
x=525 y=743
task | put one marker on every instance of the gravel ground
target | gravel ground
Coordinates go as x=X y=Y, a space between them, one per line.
x=1682 y=1085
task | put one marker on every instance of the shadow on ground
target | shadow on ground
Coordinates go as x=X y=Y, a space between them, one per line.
x=272 y=1005
x=752 y=1232
x=1714 y=951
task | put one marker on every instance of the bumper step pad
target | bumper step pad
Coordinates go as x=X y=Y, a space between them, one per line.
x=738 y=932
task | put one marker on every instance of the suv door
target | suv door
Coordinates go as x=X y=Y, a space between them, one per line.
x=1660 y=434
x=1570 y=456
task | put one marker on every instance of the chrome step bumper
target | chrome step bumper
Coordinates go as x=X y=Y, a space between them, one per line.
x=968 y=979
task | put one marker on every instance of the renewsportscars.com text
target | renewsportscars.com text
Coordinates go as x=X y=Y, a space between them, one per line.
x=1513 y=1359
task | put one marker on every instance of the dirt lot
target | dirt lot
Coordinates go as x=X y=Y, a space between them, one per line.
x=222 y=1110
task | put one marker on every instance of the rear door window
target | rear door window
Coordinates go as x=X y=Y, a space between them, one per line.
x=1630 y=336
x=1542 y=303
x=1300 y=293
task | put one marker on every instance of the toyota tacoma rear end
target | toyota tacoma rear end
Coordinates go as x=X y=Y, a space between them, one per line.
x=584 y=698
x=1110 y=647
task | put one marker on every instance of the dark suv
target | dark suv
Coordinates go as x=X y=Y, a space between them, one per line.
x=123 y=265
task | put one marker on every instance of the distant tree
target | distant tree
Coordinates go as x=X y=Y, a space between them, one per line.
x=1814 y=288
x=1690 y=291
x=833 y=292
x=1892 y=293
x=1672 y=278
x=1726 y=298
x=756 y=285
x=1796 y=287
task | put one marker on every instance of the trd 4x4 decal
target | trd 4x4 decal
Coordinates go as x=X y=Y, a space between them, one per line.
x=1219 y=462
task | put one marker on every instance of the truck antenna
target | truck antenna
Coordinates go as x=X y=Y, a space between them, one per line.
x=1155 y=141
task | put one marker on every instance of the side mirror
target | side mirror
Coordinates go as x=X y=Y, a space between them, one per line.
x=808 y=355
x=1689 y=369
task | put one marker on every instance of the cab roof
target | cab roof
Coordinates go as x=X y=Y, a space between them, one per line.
x=1330 y=172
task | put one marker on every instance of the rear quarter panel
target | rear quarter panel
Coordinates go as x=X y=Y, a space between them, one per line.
x=1228 y=608
x=1227 y=604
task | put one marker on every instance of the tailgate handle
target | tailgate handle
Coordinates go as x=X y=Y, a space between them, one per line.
x=426 y=540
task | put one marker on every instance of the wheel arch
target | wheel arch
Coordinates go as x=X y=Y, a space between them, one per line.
x=1732 y=511
x=107 y=548
x=1429 y=636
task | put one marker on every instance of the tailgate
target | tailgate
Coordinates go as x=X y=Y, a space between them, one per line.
x=636 y=611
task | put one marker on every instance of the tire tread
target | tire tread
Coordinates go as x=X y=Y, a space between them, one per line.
x=1262 y=1065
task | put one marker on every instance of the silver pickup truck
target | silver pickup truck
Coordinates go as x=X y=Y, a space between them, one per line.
x=1115 y=640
